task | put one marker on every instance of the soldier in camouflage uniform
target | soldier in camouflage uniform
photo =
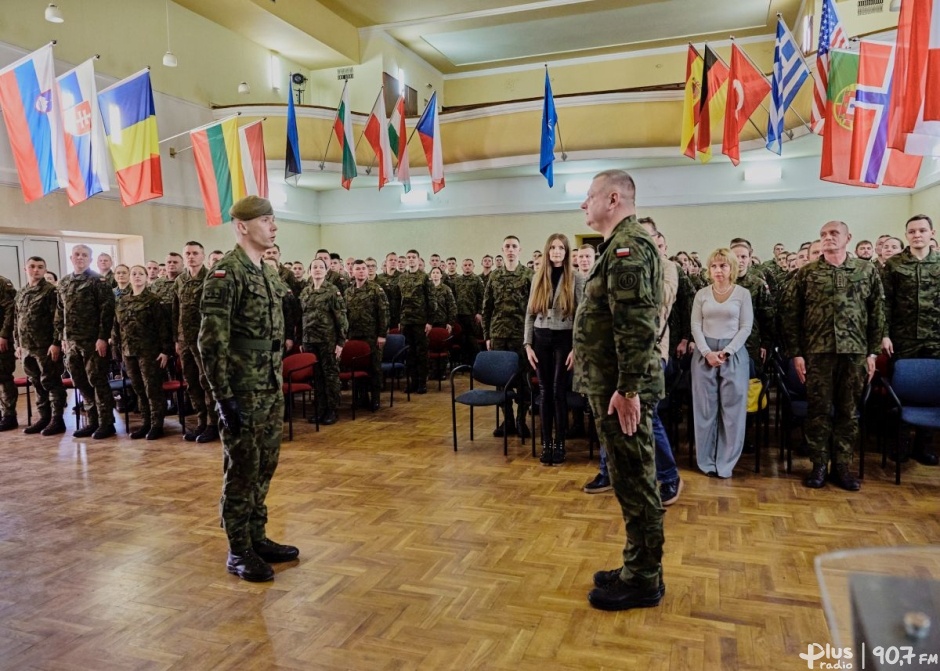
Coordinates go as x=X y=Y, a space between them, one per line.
x=415 y=289
x=40 y=347
x=122 y=280
x=505 y=301
x=760 y=342
x=164 y=287
x=185 y=321
x=105 y=263
x=367 y=310
x=240 y=340
x=443 y=305
x=617 y=364
x=85 y=316
x=833 y=323
x=286 y=275
x=912 y=308
x=487 y=264
x=389 y=282
x=324 y=333
x=143 y=335
x=335 y=275
x=8 y=390
x=468 y=293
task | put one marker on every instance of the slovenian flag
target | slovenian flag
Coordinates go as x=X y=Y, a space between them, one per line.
x=31 y=112
x=219 y=166
x=429 y=130
x=86 y=156
x=130 y=123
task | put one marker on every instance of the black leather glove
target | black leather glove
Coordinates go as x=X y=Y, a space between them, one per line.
x=230 y=415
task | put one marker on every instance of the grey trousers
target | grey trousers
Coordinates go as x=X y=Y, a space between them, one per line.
x=719 y=406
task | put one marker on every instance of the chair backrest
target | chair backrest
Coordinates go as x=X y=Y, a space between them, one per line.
x=456 y=330
x=299 y=367
x=495 y=368
x=356 y=355
x=438 y=339
x=394 y=343
x=917 y=381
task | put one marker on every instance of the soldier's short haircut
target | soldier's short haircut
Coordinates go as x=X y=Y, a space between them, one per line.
x=883 y=236
x=395 y=254
x=335 y=257
x=176 y=254
x=487 y=256
x=660 y=235
x=805 y=245
x=193 y=243
x=587 y=245
x=437 y=255
x=37 y=259
x=452 y=258
x=369 y=258
x=499 y=256
x=620 y=180
x=467 y=259
x=736 y=242
x=85 y=247
x=218 y=251
x=648 y=220
x=359 y=262
x=845 y=226
x=104 y=254
x=323 y=251
x=162 y=265
x=277 y=247
x=862 y=242
x=413 y=251
x=918 y=217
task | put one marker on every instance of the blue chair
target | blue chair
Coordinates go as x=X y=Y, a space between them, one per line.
x=794 y=407
x=914 y=389
x=493 y=368
x=394 y=364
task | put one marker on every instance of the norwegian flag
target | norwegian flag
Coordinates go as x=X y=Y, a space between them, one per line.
x=831 y=36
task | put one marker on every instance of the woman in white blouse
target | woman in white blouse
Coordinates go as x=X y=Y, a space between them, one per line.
x=722 y=317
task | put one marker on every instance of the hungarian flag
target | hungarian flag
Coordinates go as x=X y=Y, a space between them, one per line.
x=398 y=141
x=377 y=134
x=712 y=100
x=915 y=97
x=690 y=109
x=342 y=126
x=254 y=163
x=86 y=152
x=217 y=153
x=429 y=130
x=747 y=87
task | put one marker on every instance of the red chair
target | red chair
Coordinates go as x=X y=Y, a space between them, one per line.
x=439 y=341
x=23 y=382
x=298 y=379
x=355 y=365
x=176 y=385
x=456 y=338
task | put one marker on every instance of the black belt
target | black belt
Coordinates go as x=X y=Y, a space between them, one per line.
x=256 y=344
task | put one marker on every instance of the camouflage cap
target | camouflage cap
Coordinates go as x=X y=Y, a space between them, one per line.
x=251 y=207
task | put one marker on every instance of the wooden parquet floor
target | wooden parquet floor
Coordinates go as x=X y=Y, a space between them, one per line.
x=412 y=556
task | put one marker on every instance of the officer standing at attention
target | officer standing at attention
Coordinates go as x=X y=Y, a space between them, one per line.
x=617 y=364
x=85 y=316
x=834 y=322
x=468 y=292
x=8 y=390
x=324 y=333
x=240 y=340
x=415 y=289
x=40 y=346
x=367 y=309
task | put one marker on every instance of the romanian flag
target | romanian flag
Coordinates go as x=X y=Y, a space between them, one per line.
x=342 y=126
x=398 y=141
x=429 y=129
x=219 y=166
x=254 y=163
x=693 y=93
x=32 y=116
x=712 y=101
x=86 y=155
x=377 y=134
x=130 y=123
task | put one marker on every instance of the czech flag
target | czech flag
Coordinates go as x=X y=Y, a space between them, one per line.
x=32 y=116
x=130 y=122
x=85 y=153
x=429 y=130
x=217 y=151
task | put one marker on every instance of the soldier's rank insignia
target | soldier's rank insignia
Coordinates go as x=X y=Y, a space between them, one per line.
x=623 y=252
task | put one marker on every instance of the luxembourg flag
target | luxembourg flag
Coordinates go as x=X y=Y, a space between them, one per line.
x=31 y=113
x=85 y=144
x=429 y=129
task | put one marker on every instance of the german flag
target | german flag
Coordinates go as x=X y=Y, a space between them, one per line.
x=690 y=110
x=712 y=101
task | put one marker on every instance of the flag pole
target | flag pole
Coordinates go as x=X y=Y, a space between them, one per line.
x=415 y=129
x=330 y=140
x=193 y=130
x=174 y=152
x=561 y=143
x=363 y=133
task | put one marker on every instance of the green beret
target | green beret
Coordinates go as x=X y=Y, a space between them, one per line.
x=251 y=207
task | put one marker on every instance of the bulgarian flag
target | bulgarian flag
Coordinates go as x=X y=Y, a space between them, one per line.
x=398 y=141
x=219 y=166
x=429 y=130
x=377 y=134
x=342 y=126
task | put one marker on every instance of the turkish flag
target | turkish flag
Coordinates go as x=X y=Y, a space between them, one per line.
x=747 y=88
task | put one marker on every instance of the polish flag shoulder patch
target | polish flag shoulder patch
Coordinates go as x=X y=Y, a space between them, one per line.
x=622 y=252
x=218 y=273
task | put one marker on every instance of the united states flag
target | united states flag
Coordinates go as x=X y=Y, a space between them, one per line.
x=831 y=36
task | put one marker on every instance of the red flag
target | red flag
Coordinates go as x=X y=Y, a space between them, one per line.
x=839 y=119
x=747 y=87
x=690 y=109
x=712 y=102
x=915 y=98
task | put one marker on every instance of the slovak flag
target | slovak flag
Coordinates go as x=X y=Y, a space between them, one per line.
x=429 y=130
x=86 y=154
x=31 y=112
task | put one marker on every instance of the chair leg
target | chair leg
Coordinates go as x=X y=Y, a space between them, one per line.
x=505 y=433
x=29 y=405
x=471 y=422
x=453 y=414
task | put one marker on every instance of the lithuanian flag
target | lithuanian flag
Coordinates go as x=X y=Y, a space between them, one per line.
x=219 y=166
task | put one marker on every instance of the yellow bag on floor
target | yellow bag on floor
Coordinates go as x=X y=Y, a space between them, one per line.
x=754 y=389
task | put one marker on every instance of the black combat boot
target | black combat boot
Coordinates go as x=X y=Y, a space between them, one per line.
x=156 y=431
x=8 y=423
x=841 y=477
x=211 y=434
x=191 y=436
x=41 y=423
x=141 y=432
x=57 y=425
x=817 y=478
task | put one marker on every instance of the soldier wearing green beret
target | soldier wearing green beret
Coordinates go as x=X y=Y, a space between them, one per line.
x=240 y=340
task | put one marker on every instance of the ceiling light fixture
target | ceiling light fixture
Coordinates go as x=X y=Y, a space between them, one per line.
x=763 y=173
x=54 y=14
x=577 y=187
x=244 y=89
x=169 y=59
x=414 y=197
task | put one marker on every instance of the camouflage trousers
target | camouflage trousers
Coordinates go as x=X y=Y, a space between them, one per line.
x=632 y=465
x=834 y=384
x=417 y=341
x=916 y=349
x=147 y=380
x=198 y=385
x=249 y=461
x=89 y=373
x=8 y=390
x=46 y=377
x=326 y=376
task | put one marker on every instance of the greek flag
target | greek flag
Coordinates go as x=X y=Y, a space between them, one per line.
x=790 y=71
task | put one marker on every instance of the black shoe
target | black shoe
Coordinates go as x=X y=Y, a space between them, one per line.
x=841 y=477
x=210 y=435
x=329 y=418
x=816 y=479
x=56 y=426
x=155 y=433
x=191 y=436
x=141 y=432
x=669 y=491
x=546 y=457
x=249 y=566
x=85 y=432
x=604 y=579
x=37 y=426
x=8 y=423
x=600 y=483
x=498 y=431
x=624 y=596
x=925 y=455
x=104 y=432
x=273 y=552
x=374 y=406
x=558 y=454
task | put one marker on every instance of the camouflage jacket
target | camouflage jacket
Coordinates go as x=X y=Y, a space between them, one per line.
x=187 y=296
x=324 y=315
x=504 y=303
x=163 y=287
x=35 y=328
x=389 y=284
x=415 y=291
x=617 y=322
x=763 y=329
x=443 y=306
x=141 y=327
x=834 y=309
x=242 y=330
x=468 y=293
x=7 y=303
x=85 y=309
x=912 y=297
x=287 y=277
x=367 y=311
x=337 y=280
